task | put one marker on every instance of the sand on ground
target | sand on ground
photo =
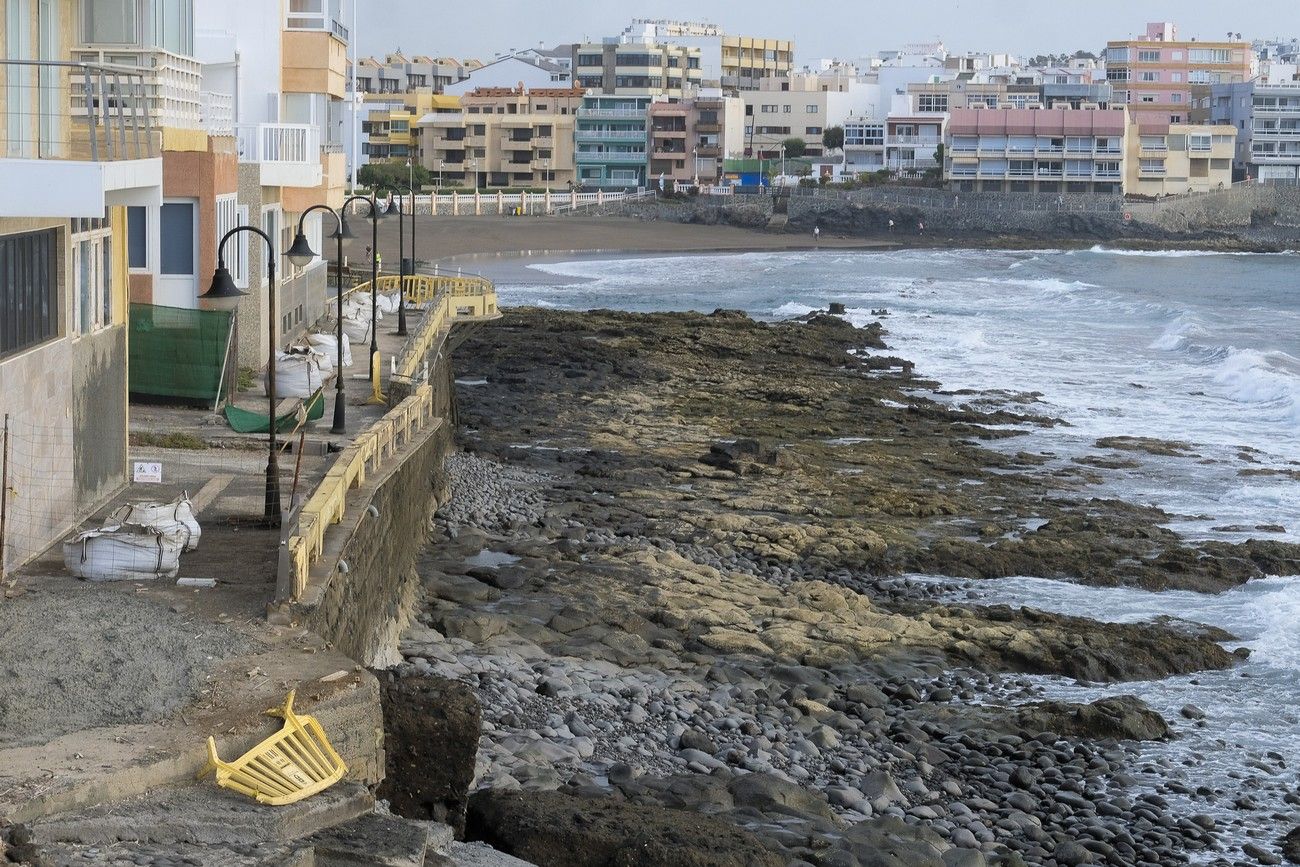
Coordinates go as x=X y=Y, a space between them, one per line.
x=444 y=238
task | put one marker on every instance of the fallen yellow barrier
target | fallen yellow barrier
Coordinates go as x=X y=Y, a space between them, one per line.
x=294 y=763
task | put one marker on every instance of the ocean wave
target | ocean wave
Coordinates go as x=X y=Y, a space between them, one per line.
x=1047 y=285
x=1254 y=377
x=1179 y=334
x=1176 y=254
x=793 y=308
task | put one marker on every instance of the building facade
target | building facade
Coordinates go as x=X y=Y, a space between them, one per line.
x=1036 y=150
x=1178 y=158
x=1154 y=75
x=285 y=62
x=513 y=71
x=68 y=179
x=637 y=68
x=391 y=126
x=1267 y=120
x=690 y=138
x=729 y=63
x=397 y=73
x=611 y=136
x=801 y=106
x=504 y=137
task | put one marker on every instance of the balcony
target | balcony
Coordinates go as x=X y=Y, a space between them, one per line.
x=170 y=83
x=543 y=141
x=1151 y=171
x=611 y=157
x=610 y=135
x=708 y=151
x=670 y=132
x=217 y=113
x=707 y=128
x=914 y=140
x=611 y=113
x=59 y=159
x=289 y=153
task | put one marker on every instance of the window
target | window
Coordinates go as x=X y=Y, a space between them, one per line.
x=1152 y=167
x=29 y=291
x=787 y=108
x=1147 y=97
x=590 y=60
x=768 y=109
x=812 y=130
x=1209 y=55
x=1199 y=142
x=1153 y=143
x=236 y=252
x=1117 y=55
x=932 y=102
x=1148 y=56
x=1175 y=97
x=137 y=237
x=810 y=109
x=176 y=237
x=110 y=22
x=1148 y=76
x=92 y=275
x=1176 y=77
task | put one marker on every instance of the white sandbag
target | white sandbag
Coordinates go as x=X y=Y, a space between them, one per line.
x=386 y=303
x=357 y=328
x=174 y=517
x=327 y=346
x=297 y=374
x=124 y=553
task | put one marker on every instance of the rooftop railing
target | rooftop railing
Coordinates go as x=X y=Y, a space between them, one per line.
x=69 y=110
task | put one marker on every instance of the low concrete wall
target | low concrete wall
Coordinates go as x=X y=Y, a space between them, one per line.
x=363 y=610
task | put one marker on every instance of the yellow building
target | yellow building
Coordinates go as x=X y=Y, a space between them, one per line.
x=391 y=128
x=746 y=60
x=1178 y=158
x=67 y=182
x=504 y=137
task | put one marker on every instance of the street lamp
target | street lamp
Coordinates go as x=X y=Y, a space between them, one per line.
x=401 y=256
x=695 y=163
x=225 y=295
x=301 y=254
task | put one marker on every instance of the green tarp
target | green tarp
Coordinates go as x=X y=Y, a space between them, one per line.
x=177 y=353
x=247 y=421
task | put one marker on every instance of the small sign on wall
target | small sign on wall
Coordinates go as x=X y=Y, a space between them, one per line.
x=148 y=472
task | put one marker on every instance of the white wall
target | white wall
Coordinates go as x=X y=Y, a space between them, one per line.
x=506 y=73
x=249 y=30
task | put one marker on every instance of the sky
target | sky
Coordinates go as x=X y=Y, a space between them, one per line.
x=845 y=29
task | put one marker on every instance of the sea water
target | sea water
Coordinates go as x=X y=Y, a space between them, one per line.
x=1198 y=348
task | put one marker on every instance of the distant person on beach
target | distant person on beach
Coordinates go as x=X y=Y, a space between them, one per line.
x=920 y=227
x=891 y=225
x=817 y=233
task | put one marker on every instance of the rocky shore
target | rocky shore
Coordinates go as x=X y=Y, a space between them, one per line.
x=674 y=573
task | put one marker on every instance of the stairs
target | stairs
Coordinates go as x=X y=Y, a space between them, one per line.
x=206 y=826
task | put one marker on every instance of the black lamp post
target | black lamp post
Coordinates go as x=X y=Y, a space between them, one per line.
x=401 y=255
x=225 y=295
x=301 y=254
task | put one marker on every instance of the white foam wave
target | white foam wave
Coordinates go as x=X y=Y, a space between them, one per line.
x=1046 y=285
x=793 y=308
x=1250 y=376
x=1177 y=254
x=1179 y=334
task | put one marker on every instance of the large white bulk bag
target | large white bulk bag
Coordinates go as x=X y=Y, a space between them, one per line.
x=125 y=553
x=386 y=303
x=297 y=374
x=174 y=517
x=326 y=345
x=356 y=328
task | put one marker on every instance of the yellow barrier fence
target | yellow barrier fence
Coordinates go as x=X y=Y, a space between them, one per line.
x=444 y=299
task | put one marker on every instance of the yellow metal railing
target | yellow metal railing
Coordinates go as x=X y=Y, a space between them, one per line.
x=445 y=300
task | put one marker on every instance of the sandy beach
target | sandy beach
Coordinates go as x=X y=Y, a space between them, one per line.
x=485 y=238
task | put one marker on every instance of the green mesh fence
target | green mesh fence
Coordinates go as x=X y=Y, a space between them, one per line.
x=177 y=353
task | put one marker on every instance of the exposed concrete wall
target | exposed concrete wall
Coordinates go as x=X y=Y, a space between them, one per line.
x=363 y=611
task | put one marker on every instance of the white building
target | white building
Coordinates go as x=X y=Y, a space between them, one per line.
x=512 y=72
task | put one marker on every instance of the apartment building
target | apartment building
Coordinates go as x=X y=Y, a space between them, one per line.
x=504 y=137
x=391 y=128
x=803 y=106
x=730 y=63
x=1178 y=158
x=611 y=134
x=68 y=177
x=397 y=73
x=637 y=68
x=172 y=248
x=1154 y=74
x=285 y=62
x=690 y=138
x=1267 y=120
x=1036 y=150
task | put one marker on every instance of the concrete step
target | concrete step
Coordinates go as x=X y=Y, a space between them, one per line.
x=205 y=815
x=376 y=840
